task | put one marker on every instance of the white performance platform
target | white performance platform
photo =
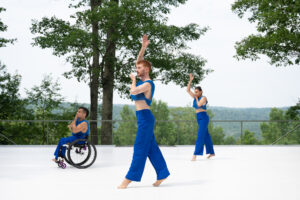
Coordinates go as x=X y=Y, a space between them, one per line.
x=236 y=173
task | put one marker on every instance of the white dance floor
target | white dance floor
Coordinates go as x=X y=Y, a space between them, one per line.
x=237 y=172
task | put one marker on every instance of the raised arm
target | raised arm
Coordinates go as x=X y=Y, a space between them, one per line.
x=188 y=89
x=145 y=43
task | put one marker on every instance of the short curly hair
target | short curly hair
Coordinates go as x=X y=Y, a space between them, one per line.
x=145 y=63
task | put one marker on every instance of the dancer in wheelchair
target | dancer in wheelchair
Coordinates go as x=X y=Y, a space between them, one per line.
x=80 y=130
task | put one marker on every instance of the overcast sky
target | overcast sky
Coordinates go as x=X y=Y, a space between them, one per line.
x=232 y=84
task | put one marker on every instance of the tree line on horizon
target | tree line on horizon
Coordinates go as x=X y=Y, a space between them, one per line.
x=174 y=126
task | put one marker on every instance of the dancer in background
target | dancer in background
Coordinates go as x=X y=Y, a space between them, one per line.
x=80 y=130
x=203 y=136
x=145 y=144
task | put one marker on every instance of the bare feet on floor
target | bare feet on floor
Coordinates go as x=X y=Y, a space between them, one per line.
x=124 y=184
x=194 y=158
x=210 y=155
x=158 y=182
x=54 y=160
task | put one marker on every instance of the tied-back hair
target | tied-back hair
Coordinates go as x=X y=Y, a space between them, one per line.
x=85 y=110
x=198 y=88
x=145 y=63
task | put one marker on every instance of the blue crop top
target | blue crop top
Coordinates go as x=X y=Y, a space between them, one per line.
x=141 y=96
x=81 y=133
x=196 y=106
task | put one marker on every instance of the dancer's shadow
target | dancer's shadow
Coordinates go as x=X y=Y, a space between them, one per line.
x=185 y=183
x=172 y=184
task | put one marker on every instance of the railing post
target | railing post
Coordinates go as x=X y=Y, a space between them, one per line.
x=241 y=132
x=47 y=132
x=178 y=133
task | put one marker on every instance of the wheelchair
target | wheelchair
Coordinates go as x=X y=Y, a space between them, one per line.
x=80 y=154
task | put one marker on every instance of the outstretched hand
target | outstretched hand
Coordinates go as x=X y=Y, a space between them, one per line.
x=191 y=77
x=145 y=41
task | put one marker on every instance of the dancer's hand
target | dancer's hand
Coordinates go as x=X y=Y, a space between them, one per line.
x=145 y=41
x=132 y=76
x=191 y=77
x=70 y=127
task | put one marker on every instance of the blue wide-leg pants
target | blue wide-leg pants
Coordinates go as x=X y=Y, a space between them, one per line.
x=145 y=146
x=203 y=136
x=61 y=142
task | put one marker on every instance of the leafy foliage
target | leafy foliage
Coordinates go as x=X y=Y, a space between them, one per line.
x=278 y=24
x=3 y=28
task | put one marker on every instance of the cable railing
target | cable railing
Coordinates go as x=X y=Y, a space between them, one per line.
x=167 y=132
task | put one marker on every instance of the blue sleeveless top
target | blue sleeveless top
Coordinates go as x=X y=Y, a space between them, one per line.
x=196 y=106
x=81 y=134
x=141 y=96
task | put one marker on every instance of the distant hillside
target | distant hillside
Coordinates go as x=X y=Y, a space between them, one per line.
x=225 y=113
x=221 y=113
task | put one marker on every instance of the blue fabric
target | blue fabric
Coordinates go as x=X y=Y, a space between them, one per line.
x=70 y=139
x=141 y=96
x=196 y=106
x=81 y=134
x=145 y=146
x=203 y=136
x=63 y=141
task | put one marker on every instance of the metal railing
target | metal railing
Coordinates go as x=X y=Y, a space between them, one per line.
x=47 y=131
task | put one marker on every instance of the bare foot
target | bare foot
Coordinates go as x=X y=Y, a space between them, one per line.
x=158 y=182
x=194 y=158
x=54 y=160
x=124 y=184
x=210 y=155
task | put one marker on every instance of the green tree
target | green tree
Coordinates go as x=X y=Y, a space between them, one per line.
x=3 y=28
x=45 y=98
x=165 y=133
x=216 y=132
x=185 y=125
x=274 y=130
x=293 y=112
x=11 y=104
x=229 y=140
x=10 y=100
x=249 y=138
x=126 y=131
x=13 y=107
x=104 y=40
x=278 y=24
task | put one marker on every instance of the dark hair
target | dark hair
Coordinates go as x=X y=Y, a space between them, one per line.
x=85 y=110
x=198 y=88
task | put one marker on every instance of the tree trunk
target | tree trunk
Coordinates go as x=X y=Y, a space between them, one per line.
x=107 y=101
x=95 y=73
x=108 y=86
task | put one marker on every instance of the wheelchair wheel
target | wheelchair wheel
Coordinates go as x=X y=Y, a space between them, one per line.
x=81 y=154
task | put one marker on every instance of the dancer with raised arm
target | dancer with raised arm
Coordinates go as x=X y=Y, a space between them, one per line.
x=145 y=144
x=203 y=136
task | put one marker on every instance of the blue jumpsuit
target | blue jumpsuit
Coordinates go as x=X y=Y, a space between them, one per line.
x=145 y=144
x=70 y=139
x=203 y=136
